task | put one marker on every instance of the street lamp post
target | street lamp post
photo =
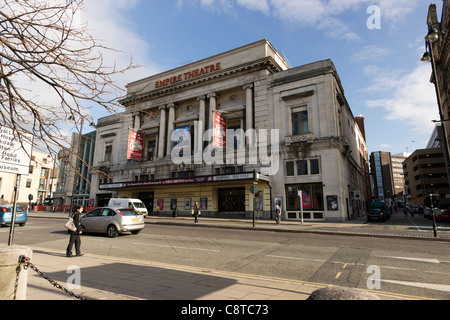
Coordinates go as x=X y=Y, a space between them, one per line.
x=432 y=36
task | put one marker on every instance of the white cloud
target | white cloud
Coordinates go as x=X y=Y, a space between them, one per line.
x=370 y=53
x=107 y=22
x=410 y=97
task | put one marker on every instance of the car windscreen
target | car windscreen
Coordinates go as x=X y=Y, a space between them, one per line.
x=139 y=205
x=129 y=212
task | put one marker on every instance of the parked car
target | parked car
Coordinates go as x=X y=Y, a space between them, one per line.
x=443 y=216
x=112 y=221
x=6 y=215
x=378 y=210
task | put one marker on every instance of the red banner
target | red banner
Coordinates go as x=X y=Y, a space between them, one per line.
x=220 y=129
x=135 y=145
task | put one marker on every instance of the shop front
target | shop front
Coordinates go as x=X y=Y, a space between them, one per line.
x=219 y=195
x=304 y=199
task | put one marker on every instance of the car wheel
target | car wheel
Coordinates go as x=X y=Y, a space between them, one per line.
x=112 y=231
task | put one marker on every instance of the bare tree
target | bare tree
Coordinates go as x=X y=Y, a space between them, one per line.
x=50 y=69
x=43 y=47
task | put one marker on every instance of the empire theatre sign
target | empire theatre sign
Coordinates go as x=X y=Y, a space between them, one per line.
x=188 y=75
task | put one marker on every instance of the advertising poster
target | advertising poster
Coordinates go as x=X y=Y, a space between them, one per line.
x=182 y=141
x=135 y=145
x=220 y=129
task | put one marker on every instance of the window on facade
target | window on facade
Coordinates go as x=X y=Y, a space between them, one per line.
x=108 y=152
x=151 y=146
x=289 y=168
x=302 y=167
x=314 y=166
x=41 y=183
x=28 y=184
x=312 y=196
x=300 y=122
x=30 y=170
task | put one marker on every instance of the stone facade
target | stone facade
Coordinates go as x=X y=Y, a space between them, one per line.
x=288 y=130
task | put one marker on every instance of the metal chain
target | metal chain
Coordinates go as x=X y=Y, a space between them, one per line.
x=28 y=264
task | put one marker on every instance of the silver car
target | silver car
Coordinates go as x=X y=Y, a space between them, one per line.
x=112 y=221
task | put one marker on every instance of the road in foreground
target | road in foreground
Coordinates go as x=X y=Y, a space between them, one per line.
x=403 y=266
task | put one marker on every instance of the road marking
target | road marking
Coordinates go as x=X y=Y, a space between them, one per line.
x=412 y=259
x=432 y=286
x=174 y=247
x=338 y=275
x=294 y=258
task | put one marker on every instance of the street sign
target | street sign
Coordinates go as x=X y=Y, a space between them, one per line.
x=254 y=189
x=15 y=154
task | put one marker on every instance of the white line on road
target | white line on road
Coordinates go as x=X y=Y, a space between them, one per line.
x=432 y=286
x=412 y=259
x=174 y=247
x=294 y=258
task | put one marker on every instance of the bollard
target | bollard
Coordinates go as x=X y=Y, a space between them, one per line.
x=13 y=277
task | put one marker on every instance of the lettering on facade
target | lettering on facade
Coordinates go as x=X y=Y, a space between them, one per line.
x=188 y=75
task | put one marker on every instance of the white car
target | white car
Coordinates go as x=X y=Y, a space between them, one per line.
x=112 y=221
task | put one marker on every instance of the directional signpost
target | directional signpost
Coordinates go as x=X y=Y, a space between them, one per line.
x=15 y=155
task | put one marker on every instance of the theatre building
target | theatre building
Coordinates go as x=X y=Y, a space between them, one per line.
x=236 y=132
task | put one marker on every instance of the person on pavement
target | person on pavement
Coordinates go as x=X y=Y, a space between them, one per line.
x=75 y=237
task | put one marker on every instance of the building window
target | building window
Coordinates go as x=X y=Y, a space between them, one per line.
x=290 y=168
x=151 y=146
x=312 y=196
x=302 y=167
x=314 y=166
x=28 y=185
x=108 y=153
x=300 y=122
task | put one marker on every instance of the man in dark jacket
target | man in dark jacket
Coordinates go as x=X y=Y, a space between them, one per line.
x=75 y=235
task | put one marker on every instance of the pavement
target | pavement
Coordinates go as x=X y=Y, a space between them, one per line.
x=96 y=277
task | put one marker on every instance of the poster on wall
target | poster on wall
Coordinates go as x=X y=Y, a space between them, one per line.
x=182 y=141
x=332 y=203
x=306 y=197
x=135 y=145
x=220 y=129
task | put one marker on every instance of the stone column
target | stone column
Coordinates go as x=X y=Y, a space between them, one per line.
x=162 y=131
x=201 y=124
x=170 y=121
x=212 y=107
x=137 y=121
x=249 y=111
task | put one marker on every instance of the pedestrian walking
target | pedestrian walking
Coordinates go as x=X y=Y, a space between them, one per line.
x=405 y=211
x=278 y=215
x=75 y=235
x=196 y=212
x=157 y=209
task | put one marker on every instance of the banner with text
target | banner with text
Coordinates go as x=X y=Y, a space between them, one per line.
x=220 y=129
x=135 y=145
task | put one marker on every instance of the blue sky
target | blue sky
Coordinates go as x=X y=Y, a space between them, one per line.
x=380 y=69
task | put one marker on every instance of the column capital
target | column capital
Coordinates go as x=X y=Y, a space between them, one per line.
x=171 y=105
x=203 y=97
x=213 y=95
x=163 y=107
x=248 y=86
